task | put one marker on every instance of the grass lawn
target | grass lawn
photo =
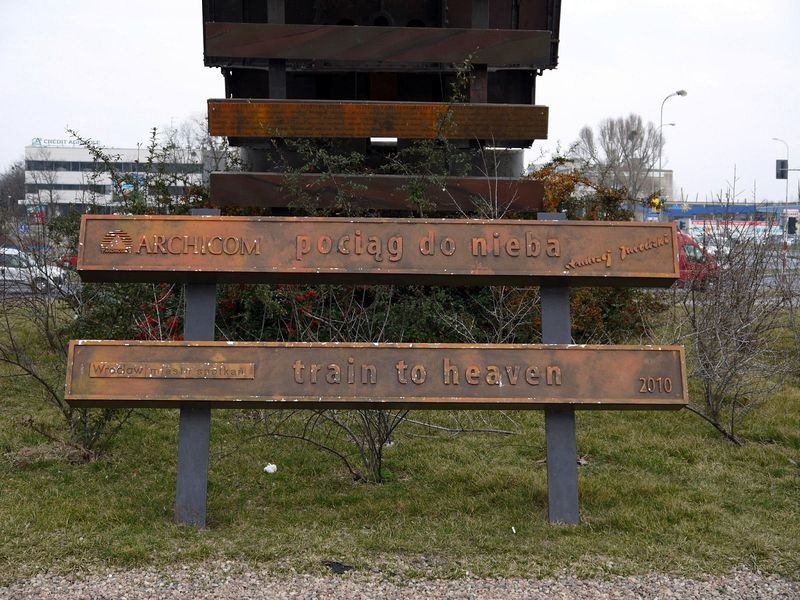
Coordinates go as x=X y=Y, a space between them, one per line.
x=660 y=491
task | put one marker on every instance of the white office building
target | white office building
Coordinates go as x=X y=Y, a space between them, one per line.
x=62 y=175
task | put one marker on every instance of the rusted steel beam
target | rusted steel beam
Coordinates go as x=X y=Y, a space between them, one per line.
x=379 y=192
x=400 y=251
x=479 y=80
x=229 y=43
x=276 y=14
x=346 y=375
x=352 y=119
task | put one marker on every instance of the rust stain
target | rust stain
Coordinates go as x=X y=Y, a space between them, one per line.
x=354 y=119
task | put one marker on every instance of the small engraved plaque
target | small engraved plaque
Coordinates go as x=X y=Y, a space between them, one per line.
x=171 y=370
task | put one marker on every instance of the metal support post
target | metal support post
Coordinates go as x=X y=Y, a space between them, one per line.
x=194 y=432
x=559 y=423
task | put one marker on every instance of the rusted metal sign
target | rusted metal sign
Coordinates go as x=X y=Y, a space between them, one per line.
x=353 y=119
x=296 y=375
x=495 y=47
x=402 y=251
x=379 y=192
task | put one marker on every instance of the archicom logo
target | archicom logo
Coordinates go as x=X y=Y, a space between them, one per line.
x=116 y=241
x=36 y=142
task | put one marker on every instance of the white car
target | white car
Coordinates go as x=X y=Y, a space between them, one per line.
x=20 y=272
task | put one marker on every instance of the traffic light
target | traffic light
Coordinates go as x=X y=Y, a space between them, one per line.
x=781 y=169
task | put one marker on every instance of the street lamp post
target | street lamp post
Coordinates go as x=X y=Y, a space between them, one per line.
x=787 y=166
x=661 y=128
x=653 y=182
x=785 y=202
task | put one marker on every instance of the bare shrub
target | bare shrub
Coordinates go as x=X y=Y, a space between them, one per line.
x=736 y=323
x=357 y=438
x=45 y=305
x=38 y=309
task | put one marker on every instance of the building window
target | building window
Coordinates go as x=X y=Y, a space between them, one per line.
x=122 y=167
x=35 y=188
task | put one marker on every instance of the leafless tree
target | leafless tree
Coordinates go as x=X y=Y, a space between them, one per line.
x=34 y=326
x=12 y=189
x=173 y=172
x=621 y=154
x=735 y=323
x=44 y=182
x=190 y=142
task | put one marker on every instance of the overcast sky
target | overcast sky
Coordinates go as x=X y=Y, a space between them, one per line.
x=113 y=73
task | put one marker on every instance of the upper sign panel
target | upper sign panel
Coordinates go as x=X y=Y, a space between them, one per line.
x=399 y=251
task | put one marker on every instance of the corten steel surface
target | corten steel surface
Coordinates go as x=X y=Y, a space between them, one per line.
x=295 y=375
x=530 y=14
x=397 y=251
x=354 y=119
x=379 y=192
x=494 y=47
x=524 y=14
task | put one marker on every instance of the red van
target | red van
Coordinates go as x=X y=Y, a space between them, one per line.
x=697 y=266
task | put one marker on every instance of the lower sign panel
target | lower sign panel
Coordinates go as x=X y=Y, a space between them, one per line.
x=371 y=376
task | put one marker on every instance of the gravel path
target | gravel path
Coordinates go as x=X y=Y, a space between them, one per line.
x=231 y=580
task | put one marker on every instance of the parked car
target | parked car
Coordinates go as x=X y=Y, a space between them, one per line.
x=21 y=273
x=697 y=266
